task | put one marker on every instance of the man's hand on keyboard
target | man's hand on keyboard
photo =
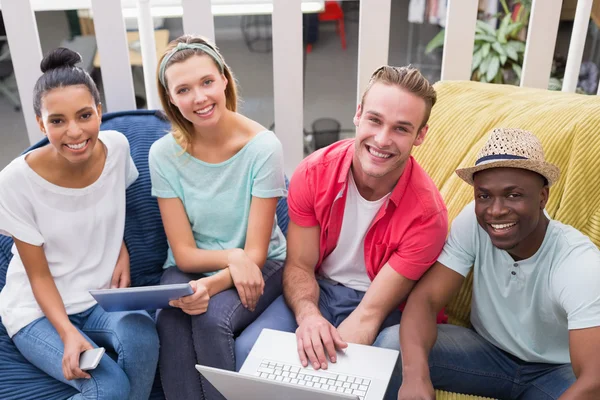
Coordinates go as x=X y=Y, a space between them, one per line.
x=355 y=329
x=316 y=339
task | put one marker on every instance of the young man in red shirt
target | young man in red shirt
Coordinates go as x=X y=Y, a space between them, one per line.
x=366 y=221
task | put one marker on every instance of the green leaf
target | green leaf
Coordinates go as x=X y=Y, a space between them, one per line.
x=514 y=28
x=484 y=38
x=503 y=59
x=555 y=84
x=437 y=41
x=483 y=67
x=503 y=29
x=501 y=38
x=477 y=57
x=493 y=68
x=505 y=6
x=517 y=45
x=484 y=28
x=517 y=68
x=510 y=52
x=476 y=47
x=506 y=21
x=498 y=48
x=485 y=49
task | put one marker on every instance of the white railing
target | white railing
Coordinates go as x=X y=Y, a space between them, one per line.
x=541 y=39
x=580 y=28
x=197 y=15
x=459 y=38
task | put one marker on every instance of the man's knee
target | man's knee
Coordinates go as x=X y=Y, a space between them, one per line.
x=277 y=316
x=243 y=345
x=389 y=338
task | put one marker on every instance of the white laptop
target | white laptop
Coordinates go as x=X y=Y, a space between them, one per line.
x=273 y=370
x=238 y=386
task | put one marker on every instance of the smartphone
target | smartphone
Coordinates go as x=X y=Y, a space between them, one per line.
x=90 y=359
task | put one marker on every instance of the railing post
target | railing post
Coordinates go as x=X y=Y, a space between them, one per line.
x=149 y=57
x=541 y=40
x=113 y=48
x=288 y=94
x=373 y=40
x=26 y=53
x=580 y=29
x=198 y=18
x=459 y=40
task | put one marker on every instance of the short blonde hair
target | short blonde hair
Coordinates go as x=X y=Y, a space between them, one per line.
x=409 y=79
x=182 y=129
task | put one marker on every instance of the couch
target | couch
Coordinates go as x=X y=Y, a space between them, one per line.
x=567 y=124
x=145 y=239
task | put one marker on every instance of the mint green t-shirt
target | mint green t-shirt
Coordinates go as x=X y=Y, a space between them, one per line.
x=217 y=197
x=527 y=307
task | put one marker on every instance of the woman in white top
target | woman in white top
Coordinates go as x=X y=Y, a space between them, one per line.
x=64 y=206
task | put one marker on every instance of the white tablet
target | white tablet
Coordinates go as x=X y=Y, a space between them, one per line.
x=140 y=298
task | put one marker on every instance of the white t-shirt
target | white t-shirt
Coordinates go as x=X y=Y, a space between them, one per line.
x=81 y=231
x=346 y=263
x=527 y=307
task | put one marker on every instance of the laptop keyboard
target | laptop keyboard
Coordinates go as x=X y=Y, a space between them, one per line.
x=323 y=380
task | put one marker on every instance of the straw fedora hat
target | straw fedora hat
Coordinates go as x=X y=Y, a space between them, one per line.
x=511 y=148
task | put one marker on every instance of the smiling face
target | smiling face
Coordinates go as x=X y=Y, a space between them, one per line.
x=388 y=126
x=197 y=88
x=509 y=204
x=71 y=121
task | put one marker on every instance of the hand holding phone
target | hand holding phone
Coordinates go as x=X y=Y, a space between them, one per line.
x=90 y=359
x=75 y=344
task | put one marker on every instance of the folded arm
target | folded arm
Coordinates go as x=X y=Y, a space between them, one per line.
x=188 y=256
x=236 y=267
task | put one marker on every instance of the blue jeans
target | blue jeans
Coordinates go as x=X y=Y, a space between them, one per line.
x=131 y=336
x=336 y=302
x=206 y=339
x=461 y=361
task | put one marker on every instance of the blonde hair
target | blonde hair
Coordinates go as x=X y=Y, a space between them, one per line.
x=409 y=79
x=182 y=129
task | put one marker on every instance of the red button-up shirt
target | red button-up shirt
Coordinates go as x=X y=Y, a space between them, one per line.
x=409 y=230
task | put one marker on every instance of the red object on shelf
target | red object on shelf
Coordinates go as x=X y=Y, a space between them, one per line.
x=515 y=12
x=333 y=12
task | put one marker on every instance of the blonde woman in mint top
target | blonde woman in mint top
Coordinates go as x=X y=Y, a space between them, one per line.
x=64 y=205
x=217 y=176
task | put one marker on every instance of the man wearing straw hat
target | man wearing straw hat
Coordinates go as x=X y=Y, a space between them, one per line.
x=536 y=291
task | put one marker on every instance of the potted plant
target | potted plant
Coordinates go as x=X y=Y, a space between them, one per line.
x=498 y=52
